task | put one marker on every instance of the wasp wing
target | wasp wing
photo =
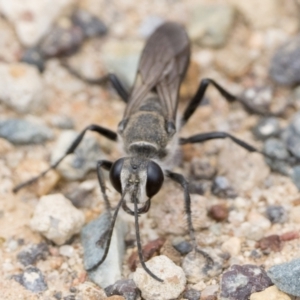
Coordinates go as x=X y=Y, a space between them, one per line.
x=161 y=69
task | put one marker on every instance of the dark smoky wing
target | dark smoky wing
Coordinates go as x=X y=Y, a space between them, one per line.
x=162 y=67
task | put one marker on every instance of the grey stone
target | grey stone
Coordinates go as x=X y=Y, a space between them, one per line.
x=32 y=279
x=76 y=165
x=111 y=269
x=266 y=128
x=183 y=247
x=34 y=56
x=286 y=276
x=210 y=25
x=285 y=64
x=89 y=24
x=278 y=159
x=192 y=294
x=239 y=282
x=22 y=132
x=125 y=288
x=257 y=99
x=276 y=213
x=32 y=253
x=222 y=188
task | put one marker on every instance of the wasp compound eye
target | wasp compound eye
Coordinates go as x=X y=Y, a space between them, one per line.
x=155 y=179
x=115 y=175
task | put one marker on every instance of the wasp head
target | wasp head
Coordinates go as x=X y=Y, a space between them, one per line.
x=139 y=178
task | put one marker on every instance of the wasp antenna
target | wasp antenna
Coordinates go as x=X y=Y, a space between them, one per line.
x=139 y=245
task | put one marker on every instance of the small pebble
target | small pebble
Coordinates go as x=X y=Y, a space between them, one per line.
x=12 y=245
x=202 y=169
x=56 y=218
x=169 y=251
x=277 y=149
x=222 y=188
x=286 y=276
x=210 y=292
x=232 y=246
x=22 y=132
x=239 y=282
x=57 y=295
x=257 y=99
x=266 y=128
x=111 y=269
x=66 y=250
x=173 y=279
x=199 y=187
x=149 y=250
x=32 y=279
x=289 y=236
x=90 y=25
x=22 y=88
x=33 y=56
x=270 y=293
x=276 y=214
x=218 y=212
x=192 y=294
x=32 y=253
x=198 y=266
x=125 y=288
x=183 y=247
x=271 y=242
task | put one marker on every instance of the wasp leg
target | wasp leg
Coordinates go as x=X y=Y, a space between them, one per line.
x=99 y=129
x=187 y=205
x=202 y=137
x=110 y=77
x=196 y=100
